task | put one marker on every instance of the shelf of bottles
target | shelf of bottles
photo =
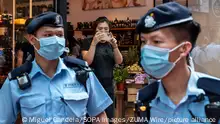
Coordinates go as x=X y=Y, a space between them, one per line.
x=38 y=6
x=116 y=25
x=5 y=19
x=123 y=30
x=23 y=12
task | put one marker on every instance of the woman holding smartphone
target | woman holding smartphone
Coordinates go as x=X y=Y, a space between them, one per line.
x=101 y=53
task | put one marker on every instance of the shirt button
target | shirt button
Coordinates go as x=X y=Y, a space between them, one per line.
x=176 y=113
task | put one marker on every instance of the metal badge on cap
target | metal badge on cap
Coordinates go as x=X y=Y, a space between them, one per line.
x=57 y=21
x=149 y=21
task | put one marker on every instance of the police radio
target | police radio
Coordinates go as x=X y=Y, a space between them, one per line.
x=24 y=81
x=21 y=74
x=212 y=110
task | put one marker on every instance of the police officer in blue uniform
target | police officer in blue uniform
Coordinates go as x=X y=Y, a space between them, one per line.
x=181 y=95
x=51 y=89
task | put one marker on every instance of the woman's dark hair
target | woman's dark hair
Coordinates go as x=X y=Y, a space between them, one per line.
x=101 y=20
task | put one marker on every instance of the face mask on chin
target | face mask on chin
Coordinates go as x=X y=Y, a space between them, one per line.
x=51 y=48
x=155 y=60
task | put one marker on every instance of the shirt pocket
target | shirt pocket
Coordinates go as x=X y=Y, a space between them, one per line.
x=33 y=106
x=76 y=104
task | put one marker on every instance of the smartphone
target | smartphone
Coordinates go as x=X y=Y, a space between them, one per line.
x=107 y=37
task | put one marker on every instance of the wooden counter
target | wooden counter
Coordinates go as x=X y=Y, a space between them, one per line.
x=119 y=111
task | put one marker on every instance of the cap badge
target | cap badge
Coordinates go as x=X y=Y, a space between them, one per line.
x=57 y=21
x=149 y=21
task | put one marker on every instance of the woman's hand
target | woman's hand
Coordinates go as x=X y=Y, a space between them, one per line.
x=113 y=41
x=97 y=38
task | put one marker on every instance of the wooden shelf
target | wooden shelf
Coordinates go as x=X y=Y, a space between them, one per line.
x=134 y=85
x=126 y=46
x=122 y=29
x=119 y=92
x=129 y=104
x=135 y=72
x=1 y=25
x=113 y=29
x=83 y=30
x=34 y=3
x=6 y=26
x=19 y=25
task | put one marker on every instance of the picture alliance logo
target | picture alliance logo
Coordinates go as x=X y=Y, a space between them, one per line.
x=216 y=7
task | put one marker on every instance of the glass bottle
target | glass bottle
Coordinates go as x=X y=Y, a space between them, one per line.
x=116 y=23
x=128 y=22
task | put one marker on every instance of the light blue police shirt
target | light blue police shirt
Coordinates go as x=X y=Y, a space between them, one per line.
x=164 y=111
x=57 y=100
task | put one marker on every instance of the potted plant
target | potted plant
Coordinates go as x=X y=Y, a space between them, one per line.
x=120 y=74
x=132 y=56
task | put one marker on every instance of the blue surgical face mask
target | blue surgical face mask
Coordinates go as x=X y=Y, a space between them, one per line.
x=155 y=60
x=52 y=47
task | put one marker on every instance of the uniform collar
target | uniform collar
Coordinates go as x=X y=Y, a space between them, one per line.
x=192 y=89
x=36 y=68
x=61 y=66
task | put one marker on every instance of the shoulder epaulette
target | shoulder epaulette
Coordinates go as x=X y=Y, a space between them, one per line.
x=149 y=92
x=19 y=71
x=209 y=85
x=72 y=62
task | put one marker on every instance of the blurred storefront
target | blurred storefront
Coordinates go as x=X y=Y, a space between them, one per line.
x=206 y=54
x=13 y=14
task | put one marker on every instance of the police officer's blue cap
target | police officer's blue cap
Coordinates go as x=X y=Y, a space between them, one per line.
x=162 y=16
x=50 y=19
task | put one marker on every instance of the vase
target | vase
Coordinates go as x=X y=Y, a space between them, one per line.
x=120 y=86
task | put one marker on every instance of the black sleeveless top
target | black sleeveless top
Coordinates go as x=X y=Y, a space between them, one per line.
x=103 y=62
